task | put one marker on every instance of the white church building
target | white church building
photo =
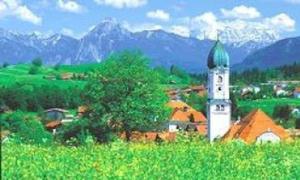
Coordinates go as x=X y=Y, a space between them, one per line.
x=218 y=105
x=255 y=127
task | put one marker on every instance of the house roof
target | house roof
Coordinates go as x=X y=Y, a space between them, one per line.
x=53 y=124
x=167 y=136
x=183 y=112
x=82 y=109
x=180 y=115
x=297 y=90
x=202 y=129
x=253 y=125
x=56 y=109
x=177 y=104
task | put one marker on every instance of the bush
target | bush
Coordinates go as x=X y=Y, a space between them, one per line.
x=5 y=64
x=37 y=62
x=33 y=70
x=26 y=128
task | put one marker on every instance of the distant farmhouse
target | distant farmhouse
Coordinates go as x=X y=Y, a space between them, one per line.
x=297 y=92
x=56 y=117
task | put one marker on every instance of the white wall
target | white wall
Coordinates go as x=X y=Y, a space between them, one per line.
x=268 y=137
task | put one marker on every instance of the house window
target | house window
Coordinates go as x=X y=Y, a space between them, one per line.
x=218 y=107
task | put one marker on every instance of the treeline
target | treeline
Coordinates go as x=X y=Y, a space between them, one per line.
x=287 y=72
x=35 y=98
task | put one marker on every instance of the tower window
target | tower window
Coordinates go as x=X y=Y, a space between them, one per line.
x=222 y=107
x=220 y=79
x=218 y=107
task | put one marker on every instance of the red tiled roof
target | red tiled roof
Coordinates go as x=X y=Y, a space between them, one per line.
x=202 y=129
x=253 y=125
x=297 y=90
x=183 y=112
x=53 y=124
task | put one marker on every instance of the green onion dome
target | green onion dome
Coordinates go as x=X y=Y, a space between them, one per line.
x=218 y=57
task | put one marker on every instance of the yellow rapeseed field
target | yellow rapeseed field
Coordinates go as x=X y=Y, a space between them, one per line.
x=177 y=160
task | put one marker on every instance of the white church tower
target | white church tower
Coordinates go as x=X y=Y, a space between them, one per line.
x=219 y=104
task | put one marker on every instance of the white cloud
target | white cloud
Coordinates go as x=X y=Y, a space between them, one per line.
x=67 y=32
x=293 y=1
x=69 y=6
x=282 y=22
x=241 y=12
x=180 y=30
x=208 y=25
x=17 y=9
x=159 y=14
x=122 y=3
x=141 y=27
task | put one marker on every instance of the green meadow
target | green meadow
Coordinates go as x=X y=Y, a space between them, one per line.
x=19 y=74
x=267 y=105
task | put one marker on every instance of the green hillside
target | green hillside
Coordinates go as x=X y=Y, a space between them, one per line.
x=20 y=74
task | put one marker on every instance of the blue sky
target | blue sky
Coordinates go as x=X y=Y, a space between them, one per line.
x=203 y=19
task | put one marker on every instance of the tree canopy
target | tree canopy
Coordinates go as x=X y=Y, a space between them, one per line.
x=124 y=95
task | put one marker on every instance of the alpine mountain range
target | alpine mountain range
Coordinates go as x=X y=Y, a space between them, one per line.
x=163 y=48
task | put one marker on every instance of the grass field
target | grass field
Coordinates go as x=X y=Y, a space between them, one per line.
x=181 y=160
x=19 y=74
x=267 y=105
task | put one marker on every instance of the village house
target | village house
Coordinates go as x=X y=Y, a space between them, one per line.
x=297 y=92
x=250 y=90
x=280 y=90
x=200 y=90
x=4 y=109
x=256 y=127
x=66 y=76
x=56 y=117
x=55 y=114
x=186 y=118
x=81 y=110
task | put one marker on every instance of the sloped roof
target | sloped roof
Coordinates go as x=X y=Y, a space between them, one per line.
x=56 y=109
x=180 y=115
x=202 y=129
x=183 y=112
x=177 y=104
x=53 y=124
x=297 y=90
x=253 y=125
x=82 y=109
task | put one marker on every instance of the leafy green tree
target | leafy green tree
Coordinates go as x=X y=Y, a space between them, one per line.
x=297 y=126
x=184 y=76
x=26 y=128
x=197 y=102
x=37 y=62
x=5 y=64
x=282 y=112
x=33 y=70
x=125 y=95
x=57 y=67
